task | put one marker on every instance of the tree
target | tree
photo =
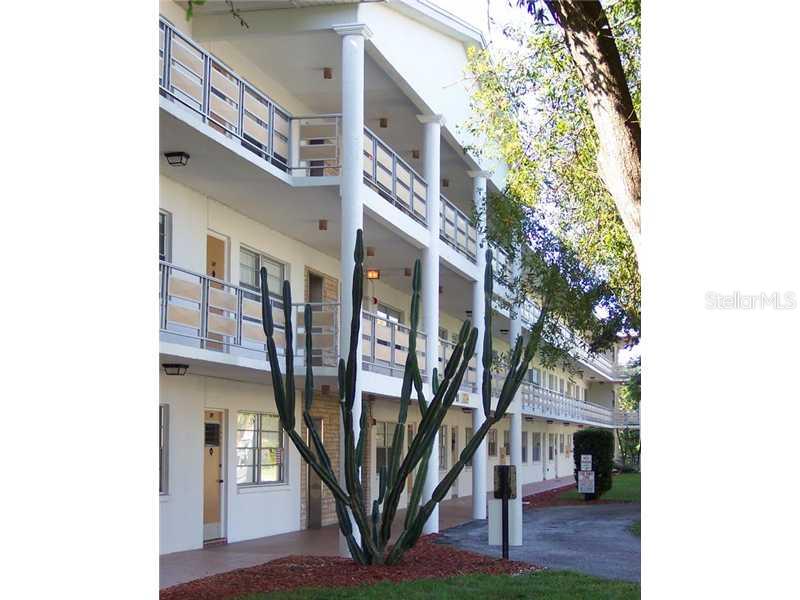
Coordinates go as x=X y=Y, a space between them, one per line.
x=372 y=544
x=530 y=109
x=630 y=443
x=590 y=40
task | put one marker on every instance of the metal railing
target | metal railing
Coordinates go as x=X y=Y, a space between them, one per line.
x=393 y=178
x=205 y=312
x=231 y=105
x=384 y=346
x=543 y=402
x=626 y=419
x=456 y=229
x=469 y=383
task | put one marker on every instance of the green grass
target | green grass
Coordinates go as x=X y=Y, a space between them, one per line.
x=625 y=487
x=544 y=585
x=636 y=528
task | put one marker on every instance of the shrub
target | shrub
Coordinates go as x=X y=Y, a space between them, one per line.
x=600 y=444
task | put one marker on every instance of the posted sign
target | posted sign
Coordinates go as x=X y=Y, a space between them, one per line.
x=585 y=482
x=586 y=462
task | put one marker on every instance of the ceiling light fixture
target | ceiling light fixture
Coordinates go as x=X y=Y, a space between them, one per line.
x=327 y=73
x=175 y=368
x=177 y=159
x=323 y=224
x=373 y=274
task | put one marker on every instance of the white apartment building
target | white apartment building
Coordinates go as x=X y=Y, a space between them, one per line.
x=277 y=142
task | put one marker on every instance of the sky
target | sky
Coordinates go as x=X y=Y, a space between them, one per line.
x=474 y=12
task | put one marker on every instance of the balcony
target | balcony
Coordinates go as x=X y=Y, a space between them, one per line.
x=229 y=104
x=208 y=313
x=456 y=229
x=384 y=347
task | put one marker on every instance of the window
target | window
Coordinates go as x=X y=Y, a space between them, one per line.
x=259 y=449
x=468 y=433
x=524 y=446
x=537 y=446
x=453 y=443
x=551 y=446
x=569 y=444
x=164 y=236
x=163 y=444
x=561 y=385
x=561 y=443
x=250 y=264
x=552 y=379
x=492 y=442
x=384 y=434
x=506 y=443
x=536 y=376
x=443 y=447
x=569 y=390
x=388 y=313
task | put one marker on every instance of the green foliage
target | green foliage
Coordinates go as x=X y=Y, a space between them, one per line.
x=626 y=487
x=530 y=110
x=630 y=394
x=600 y=444
x=375 y=530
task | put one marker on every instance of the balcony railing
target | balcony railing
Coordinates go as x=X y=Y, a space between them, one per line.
x=547 y=403
x=626 y=419
x=393 y=178
x=237 y=109
x=384 y=346
x=205 y=312
x=457 y=230
x=469 y=383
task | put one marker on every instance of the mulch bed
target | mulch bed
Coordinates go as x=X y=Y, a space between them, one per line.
x=426 y=560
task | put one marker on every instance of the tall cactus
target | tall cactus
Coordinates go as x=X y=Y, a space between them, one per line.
x=374 y=530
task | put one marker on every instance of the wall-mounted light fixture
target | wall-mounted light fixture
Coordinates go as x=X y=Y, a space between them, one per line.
x=383 y=122
x=373 y=274
x=323 y=224
x=445 y=182
x=504 y=331
x=415 y=154
x=327 y=73
x=407 y=271
x=177 y=159
x=441 y=289
x=175 y=368
x=370 y=250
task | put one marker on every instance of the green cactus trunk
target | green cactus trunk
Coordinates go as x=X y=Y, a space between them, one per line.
x=375 y=530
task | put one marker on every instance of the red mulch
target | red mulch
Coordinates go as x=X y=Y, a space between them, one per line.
x=552 y=498
x=427 y=560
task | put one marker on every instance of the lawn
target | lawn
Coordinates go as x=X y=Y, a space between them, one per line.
x=544 y=585
x=625 y=487
x=636 y=529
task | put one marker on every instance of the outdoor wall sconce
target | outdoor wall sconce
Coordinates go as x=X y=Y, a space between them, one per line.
x=415 y=154
x=504 y=331
x=326 y=389
x=549 y=422
x=175 y=368
x=468 y=312
x=327 y=73
x=445 y=182
x=441 y=289
x=323 y=224
x=383 y=122
x=373 y=274
x=370 y=250
x=177 y=159
x=407 y=272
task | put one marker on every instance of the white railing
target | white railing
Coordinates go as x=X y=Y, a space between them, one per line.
x=393 y=178
x=237 y=109
x=456 y=229
x=469 y=383
x=205 y=312
x=384 y=346
x=542 y=402
x=626 y=419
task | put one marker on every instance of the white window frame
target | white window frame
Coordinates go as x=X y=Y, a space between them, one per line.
x=491 y=442
x=163 y=449
x=536 y=444
x=282 y=480
x=167 y=235
x=261 y=258
x=388 y=436
x=389 y=313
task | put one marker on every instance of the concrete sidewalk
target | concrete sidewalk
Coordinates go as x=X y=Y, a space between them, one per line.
x=180 y=567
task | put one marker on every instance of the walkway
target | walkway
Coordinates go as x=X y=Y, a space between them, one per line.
x=589 y=539
x=193 y=564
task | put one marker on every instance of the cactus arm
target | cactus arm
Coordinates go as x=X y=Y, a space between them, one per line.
x=290 y=396
x=308 y=322
x=488 y=291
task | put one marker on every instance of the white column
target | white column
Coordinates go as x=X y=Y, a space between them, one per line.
x=515 y=506
x=430 y=287
x=479 y=459
x=352 y=215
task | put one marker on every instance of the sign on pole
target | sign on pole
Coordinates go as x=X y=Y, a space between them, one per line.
x=586 y=462
x=585 y=482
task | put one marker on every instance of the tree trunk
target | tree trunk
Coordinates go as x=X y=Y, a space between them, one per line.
x=590 y=42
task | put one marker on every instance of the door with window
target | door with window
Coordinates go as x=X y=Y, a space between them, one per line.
x=213 y=480
x=552 y=457
x=216 y=260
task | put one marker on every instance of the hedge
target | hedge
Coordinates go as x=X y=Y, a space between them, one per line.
x=600 y=444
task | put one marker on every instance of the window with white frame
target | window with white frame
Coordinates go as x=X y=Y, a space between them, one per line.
x=384 y=435
x=250 y=263
x=561 y=385
x=537 y=446
x=561 y=443
x=163 y=446
x=536 y=376
x=259 y=449
x=164 y=236
x=524 y=446
x=552 y=380
x=492 y=442
x=453 y=443
x=387 y=313
x=468 y=433
x=551 y=446
x=443 y=447
x=507 y=442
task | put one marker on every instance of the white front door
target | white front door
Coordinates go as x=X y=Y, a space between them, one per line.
x=213 y=481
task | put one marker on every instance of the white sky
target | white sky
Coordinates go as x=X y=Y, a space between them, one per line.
x=474 y=12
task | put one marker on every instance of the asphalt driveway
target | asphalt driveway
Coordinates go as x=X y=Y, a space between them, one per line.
x=588 y=539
